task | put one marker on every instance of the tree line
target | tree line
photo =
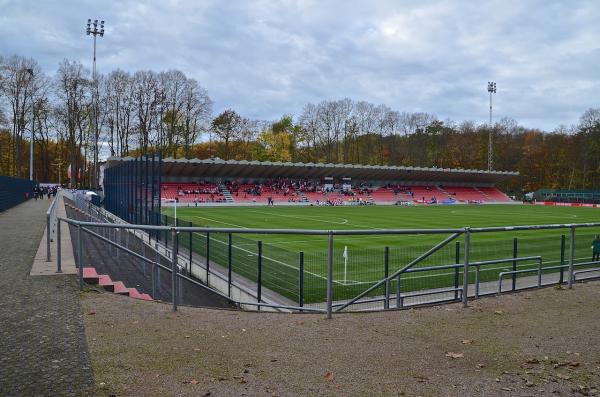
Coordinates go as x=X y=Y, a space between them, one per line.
x=170 y=113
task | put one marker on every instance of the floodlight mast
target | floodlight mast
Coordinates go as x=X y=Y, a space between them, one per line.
x=492 y=90
x=95 y=32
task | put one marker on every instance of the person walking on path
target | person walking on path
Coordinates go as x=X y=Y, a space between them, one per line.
x=596 y=249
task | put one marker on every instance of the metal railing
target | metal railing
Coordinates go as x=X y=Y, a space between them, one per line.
x=402 y=282
x=51 y=222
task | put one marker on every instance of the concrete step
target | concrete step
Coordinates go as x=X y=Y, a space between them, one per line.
x=90 y=276
x=120 y=288
x=134 y=293
x=105 y=282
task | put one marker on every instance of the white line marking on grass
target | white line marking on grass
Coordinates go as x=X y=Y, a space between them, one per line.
x=225 y=223
x=344 y=221
x=250 y=253
x=312 y=218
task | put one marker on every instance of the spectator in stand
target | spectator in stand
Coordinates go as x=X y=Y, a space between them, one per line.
x=596 y=249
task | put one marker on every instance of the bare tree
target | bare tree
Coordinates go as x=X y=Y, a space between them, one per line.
x=589 y=118
x=73 y=94
x=21 y=81
x=196 y=112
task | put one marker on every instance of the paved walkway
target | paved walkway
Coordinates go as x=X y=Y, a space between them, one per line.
x=43 y=350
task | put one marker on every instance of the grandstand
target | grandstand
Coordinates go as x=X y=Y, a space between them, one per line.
x=217 y=182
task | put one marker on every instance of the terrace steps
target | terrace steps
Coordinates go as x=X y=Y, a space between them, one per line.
x=90 y=276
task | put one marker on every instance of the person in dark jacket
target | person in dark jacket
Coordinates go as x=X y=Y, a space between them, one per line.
x=596 y=249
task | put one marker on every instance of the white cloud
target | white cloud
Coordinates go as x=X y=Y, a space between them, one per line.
x=266 y=58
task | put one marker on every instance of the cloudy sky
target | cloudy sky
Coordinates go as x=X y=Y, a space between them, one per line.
x=268 y=58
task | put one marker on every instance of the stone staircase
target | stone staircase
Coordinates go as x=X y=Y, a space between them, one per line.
x=226 y=194
x=444 y=192
x=484 y=194
x=90 y=276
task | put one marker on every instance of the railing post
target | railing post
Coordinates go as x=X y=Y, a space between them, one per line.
x=563 y=239
x=301 y=280
x=207 y=256
x=155 y=276
x=259 y=275
x=514 y=267
x=48 y=233
x=456 y=261
x=477 y=281
x=399 y=303
x=58 y=248
x=466 y=266
x=386 y=273
x=571 y=255
x=329 y=274
x=190 y=247
x=229 y=263
x=79 y=256
x=118 y=241
x=174 y=268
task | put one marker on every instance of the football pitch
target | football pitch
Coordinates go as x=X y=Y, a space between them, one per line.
x=365 y=261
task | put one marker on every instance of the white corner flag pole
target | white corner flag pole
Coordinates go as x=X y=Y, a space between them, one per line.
x=345 y=263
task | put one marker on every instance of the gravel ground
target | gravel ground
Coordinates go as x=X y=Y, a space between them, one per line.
x=536 y=343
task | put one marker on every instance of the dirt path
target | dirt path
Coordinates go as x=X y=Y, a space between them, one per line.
x=537 y=343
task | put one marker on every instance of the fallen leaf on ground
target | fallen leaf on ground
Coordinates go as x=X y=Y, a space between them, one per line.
x=91 y=313
x=299 y=322
x=328 y=376
x=455 y=355
x=498 y=312
x=194 y=382
x=467 y=341
x=480 y=365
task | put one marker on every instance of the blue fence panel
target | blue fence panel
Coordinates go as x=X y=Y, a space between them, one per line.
x=14 y=191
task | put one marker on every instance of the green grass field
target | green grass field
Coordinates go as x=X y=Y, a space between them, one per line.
x=366 y=264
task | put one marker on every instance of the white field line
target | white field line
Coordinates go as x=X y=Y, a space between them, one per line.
x=463 y=212
x=340 y=239
x=271 y=259
x=214 y=220
x=312 y=218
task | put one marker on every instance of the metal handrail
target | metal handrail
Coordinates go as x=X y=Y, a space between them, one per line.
x=51 y=221
x=321 y=232
x=538 y=270
x=409 y=268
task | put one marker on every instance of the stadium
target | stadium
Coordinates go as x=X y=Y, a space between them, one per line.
x=294 y=198
x=264 y=230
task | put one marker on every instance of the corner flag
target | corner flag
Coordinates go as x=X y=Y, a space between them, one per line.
x=345 y=256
